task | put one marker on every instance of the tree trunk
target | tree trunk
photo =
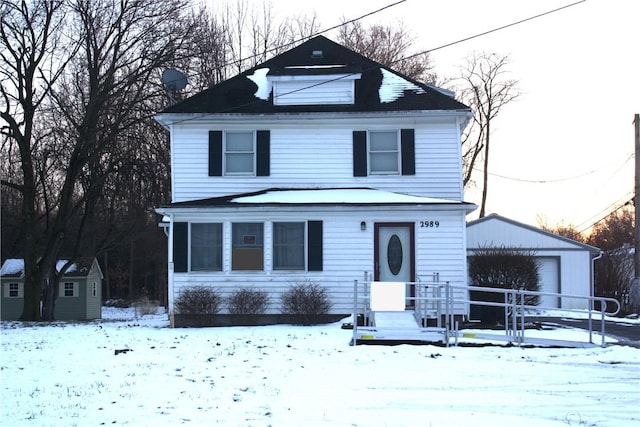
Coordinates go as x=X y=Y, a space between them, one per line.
x=485 y=173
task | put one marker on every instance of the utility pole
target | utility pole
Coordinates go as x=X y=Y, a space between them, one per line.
x=634 y=291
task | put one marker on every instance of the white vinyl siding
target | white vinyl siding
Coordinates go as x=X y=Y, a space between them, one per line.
x=336 y=89
x=347 y=252
x=306 y=153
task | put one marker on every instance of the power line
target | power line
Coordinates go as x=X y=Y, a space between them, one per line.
x=553 y=181
x=398 y=60
x=295 y=42
x=484 y=33
x=626 y=200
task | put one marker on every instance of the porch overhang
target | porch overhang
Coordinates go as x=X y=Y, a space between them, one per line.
x=318 y=197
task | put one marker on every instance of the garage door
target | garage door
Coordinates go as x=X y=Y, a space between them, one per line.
x=549 y=281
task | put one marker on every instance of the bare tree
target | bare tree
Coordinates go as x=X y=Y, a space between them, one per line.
x=566 y=230
x=207 y=62
x=613 y=273
x=389 y=45
x=92 y=99
x=486 y=89
x=255 y=35
x=616 y=230
x=30 y=62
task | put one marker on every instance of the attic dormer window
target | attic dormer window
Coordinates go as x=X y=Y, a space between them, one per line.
x=324 y=84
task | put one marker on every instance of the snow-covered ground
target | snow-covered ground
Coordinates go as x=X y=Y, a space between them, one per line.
x=67 y=374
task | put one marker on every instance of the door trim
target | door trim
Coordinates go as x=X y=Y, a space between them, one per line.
x=412 y=248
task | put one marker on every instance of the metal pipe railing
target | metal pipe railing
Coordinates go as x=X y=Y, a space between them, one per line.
x=428 y=297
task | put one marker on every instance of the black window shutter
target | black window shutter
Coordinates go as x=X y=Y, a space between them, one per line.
x=264 y=153
x=359 y=153
x=314 y=249
x=180 y=246
x=215 y=153
x=408 y=149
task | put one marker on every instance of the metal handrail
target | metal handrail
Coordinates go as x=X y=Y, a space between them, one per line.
x=514 y=306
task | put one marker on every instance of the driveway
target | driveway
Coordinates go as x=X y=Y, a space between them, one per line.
x=625 y=333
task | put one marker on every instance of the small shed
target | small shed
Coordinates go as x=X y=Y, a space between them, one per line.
x=79 y=295
x=566 y=265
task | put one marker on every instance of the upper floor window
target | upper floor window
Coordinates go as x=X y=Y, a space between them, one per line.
x=384 y=152
x=239 y=153
x=388 y=152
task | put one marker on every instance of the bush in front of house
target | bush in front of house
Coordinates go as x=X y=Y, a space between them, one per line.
x=502 y=268
x=198 y=300
x=145 y=306
x=306 y=300
x=248 y=301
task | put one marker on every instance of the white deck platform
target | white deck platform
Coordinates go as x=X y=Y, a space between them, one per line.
x=398 y=326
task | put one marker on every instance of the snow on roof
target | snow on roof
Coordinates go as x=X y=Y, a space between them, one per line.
x=314 y=67
x=393 y=86
x=12 y=266
x=16 y=266
x=259 y=77
x=333 y=196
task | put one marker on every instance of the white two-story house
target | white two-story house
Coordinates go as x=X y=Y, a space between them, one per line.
x=318 y=165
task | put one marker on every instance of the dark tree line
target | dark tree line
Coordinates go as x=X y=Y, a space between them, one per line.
x=83 y=162
x=613 y=271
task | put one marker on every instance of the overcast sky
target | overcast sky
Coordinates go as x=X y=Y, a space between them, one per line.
x=564 y=150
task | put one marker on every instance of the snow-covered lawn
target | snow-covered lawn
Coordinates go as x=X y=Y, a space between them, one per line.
x=67 y=374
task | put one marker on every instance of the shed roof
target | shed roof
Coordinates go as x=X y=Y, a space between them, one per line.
x=14 y=267
x=379 y=88
x=495 y=230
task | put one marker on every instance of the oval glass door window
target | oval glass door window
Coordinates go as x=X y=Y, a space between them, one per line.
x=394 y=254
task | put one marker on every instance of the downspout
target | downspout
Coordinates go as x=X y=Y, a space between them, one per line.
x=170 y=272
x=593 y=293
x=593 y=268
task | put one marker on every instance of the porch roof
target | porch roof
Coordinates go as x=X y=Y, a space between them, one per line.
x=318 y=197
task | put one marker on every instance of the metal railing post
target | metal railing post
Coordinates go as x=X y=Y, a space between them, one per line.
x=355 y=312
x=603 y=307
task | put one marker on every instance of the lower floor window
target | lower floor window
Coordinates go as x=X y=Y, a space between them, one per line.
x=288 y=246
x=206 y=247
x=240 y=246
x=247 y=248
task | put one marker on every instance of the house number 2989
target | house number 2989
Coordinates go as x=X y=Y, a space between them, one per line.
x=429 y=224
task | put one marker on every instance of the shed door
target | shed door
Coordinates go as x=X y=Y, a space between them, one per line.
x=549 y=281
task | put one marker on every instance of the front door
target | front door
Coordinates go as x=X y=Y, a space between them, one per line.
x=394 y=254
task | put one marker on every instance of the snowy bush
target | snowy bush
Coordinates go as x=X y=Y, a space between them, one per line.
x=248 y=301
x=198 y=300
x=306 y=300
x=502 y=268
x=144 y=305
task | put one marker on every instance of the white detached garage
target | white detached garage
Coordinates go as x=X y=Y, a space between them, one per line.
x=566 y=265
